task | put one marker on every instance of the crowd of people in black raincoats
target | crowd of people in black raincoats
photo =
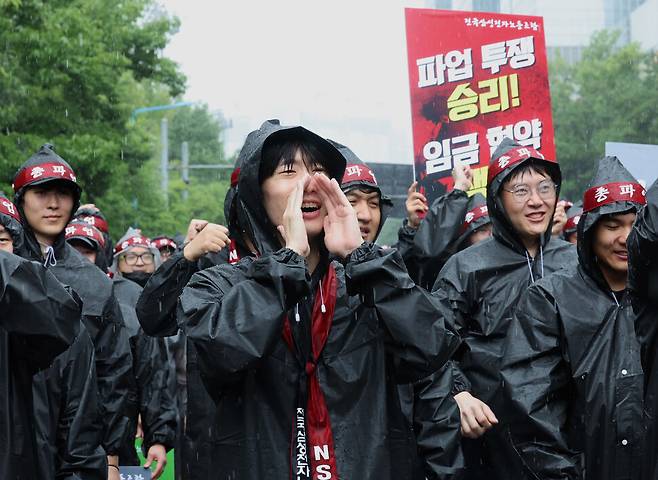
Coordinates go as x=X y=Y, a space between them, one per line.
x=511 y=336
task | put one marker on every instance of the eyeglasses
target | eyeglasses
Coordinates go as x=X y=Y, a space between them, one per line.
x=131 y=258
x=546 y=191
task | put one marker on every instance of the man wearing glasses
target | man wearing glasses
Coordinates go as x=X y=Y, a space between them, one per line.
x=135 y=259
x=479 y=287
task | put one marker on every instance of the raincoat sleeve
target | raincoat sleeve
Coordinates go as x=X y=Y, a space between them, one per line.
x=417 y=336
x=156 y=403
x=441 y=227
x=234 y=314
x=460 y=383
x=436 y=420
x=537 y=385
x=156 y=307
x=39 y=313
x=406 y=235
x=79 y=430
x=405 y=246
x=115 y=377
x=642 y=247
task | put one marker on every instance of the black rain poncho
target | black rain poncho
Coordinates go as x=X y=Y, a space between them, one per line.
x=152 y=371
x=444 y=231
x=68 y=425
x=576 y=382
x=100 y=313
x=102 y=318
x=39 y=319
x=236 y=318
x=478 y=290
x=429 y=408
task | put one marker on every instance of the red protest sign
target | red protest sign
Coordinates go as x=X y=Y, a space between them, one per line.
x=475 y=78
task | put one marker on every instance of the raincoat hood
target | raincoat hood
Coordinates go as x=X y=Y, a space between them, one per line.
x=477 y=216
x=43 y=167
x=91 y=236
x=164 y=241
x=506 y=159
x=11 y=220
x=252 y=217
x=229 y=207
x=359 y=176
x=93 y=216
x=612 y=190
x=573 y=217
x=131 y=239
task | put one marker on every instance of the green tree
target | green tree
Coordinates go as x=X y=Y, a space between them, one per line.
x=610 y=95
x=198 y=127
x=65 y=68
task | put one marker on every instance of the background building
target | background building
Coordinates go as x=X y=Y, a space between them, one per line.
x=643 y=25
x=570 y=24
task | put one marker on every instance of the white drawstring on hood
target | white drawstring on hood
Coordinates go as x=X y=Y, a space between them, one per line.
x=49 y=256
x=541 y=261
x=323 y=309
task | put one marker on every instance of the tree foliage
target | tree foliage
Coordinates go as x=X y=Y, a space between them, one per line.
x=65 y=70
x=71 y=73
x=201 y=130
x=611 y=95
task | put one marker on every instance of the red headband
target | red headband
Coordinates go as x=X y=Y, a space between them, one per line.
x=164 y=242
x=136 y=241
x=473 y=215
x=9 y=208
x=95 y=221
x=52 y=171
x=613 y=192
x=572 y=223
x=84 y=230
x=513 y=157
x=355 y=172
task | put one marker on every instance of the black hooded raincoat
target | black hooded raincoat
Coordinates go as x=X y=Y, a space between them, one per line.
x=39 y=320
x=478 y=289
x=100 y=313
x=577 y=382
x=235 y=317
x=443 y=232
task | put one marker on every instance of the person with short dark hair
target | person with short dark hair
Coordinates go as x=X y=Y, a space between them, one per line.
x=302 y=346
x=91 y=214
x=88 y=241
x=478 y=290
x=580 y=352
x=52 y=423
x=47 y=194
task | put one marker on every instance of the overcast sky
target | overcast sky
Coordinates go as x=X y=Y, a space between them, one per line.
x=336 y=66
